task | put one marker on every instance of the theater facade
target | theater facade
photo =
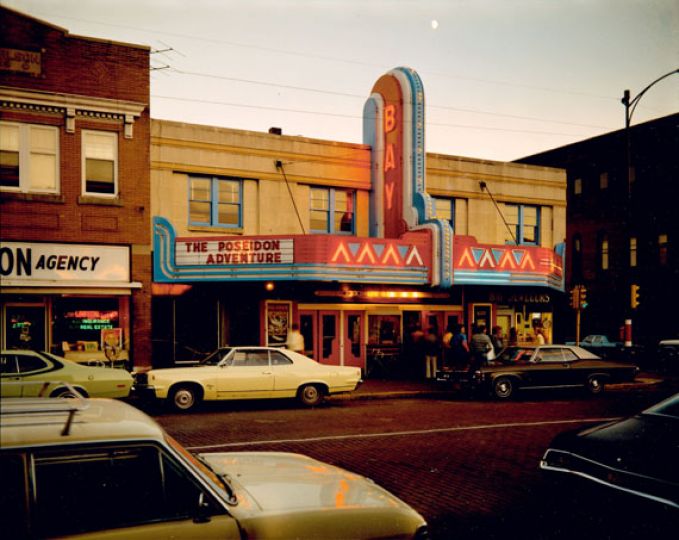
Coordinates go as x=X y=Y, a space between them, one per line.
x=357 y=243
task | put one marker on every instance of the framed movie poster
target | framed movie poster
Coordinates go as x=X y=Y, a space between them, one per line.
x=278 y=316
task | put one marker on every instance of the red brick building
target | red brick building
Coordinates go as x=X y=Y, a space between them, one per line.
x=75 y=261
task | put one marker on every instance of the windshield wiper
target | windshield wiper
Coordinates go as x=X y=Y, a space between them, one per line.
x=224 y=479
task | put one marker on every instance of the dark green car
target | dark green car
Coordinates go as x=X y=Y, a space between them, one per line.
x=539 y=367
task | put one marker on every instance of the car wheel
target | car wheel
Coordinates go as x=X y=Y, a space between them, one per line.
x=310 y=395
x=66 y=393
x=503 y=387
x=184 y=398
x=595 y=384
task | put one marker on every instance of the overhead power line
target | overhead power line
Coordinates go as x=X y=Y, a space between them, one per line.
x=352 y=116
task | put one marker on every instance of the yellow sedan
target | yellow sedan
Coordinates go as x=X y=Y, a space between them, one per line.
x=26 y=373
x=247 y=373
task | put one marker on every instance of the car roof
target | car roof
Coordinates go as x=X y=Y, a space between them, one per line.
x=33 y=422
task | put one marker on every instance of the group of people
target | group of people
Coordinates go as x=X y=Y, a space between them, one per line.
x=454 y=350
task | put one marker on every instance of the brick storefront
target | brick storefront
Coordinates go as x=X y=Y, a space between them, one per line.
x=73 y=107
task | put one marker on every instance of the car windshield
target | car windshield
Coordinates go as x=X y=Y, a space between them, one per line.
x=216 y=357
x=515 y=354
x=669 y=407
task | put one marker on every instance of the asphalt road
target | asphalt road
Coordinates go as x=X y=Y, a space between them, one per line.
x=470 y=467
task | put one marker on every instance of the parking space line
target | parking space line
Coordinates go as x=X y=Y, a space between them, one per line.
x=404 y=433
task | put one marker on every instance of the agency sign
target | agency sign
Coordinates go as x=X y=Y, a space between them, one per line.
x=34 y=263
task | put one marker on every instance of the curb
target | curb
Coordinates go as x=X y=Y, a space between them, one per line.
x=641 y=382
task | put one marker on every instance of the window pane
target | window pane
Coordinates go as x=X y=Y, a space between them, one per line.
x=99 y=176
x=43 y=140
x=320 y=199
x=633 y=251
x=200 y=189
x=319 y=221
x=228 y=214
x=9 y=137
x=199 y=212
x=229 y=191
x=9 y=168
x=344 y=212
x=43 y=172
x=100 y=145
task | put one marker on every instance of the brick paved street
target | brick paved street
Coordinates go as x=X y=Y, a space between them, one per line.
x=470 y=467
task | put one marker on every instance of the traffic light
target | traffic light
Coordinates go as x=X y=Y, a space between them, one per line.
x=575 y=297
x=583 y=297
x=634 y=296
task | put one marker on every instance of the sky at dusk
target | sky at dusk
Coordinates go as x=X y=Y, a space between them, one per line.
x=503 y=79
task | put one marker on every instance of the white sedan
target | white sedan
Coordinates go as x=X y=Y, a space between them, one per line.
x=247 y=373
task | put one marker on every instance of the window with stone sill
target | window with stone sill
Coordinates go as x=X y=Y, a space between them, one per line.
x=99 y=163
x=29 y=158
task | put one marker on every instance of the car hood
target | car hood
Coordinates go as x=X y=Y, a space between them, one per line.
x=284 y=482
x=645 y=444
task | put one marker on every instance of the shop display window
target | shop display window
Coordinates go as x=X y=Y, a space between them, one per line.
x=384 y=330
x=80 y=323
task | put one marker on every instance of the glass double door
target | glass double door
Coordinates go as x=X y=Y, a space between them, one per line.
x=334 y=336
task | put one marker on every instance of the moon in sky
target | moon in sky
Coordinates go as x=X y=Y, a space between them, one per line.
x=434 y=24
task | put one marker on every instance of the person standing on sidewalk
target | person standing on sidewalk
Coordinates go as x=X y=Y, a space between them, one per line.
x=480 y=346
x=431 y=353
x=295 y=341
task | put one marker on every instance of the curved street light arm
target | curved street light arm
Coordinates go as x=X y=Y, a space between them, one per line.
x=631 y=105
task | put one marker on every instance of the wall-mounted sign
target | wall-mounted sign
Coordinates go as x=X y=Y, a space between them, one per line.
x=190 y=251
x=20 y=61
x=27 y=263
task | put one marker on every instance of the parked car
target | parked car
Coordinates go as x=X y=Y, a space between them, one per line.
x=30 y=373
x=597 y=340
x=90 y=468
x=634 y=457
x=543 y=366
x=247 y=373
x=668 y=355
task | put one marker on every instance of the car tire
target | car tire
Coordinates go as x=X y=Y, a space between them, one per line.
x=66 y=393
x=185 y=397
x=595 y=384
x=503 y=387
x=310 y=395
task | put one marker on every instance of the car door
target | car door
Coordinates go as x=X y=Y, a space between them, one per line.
x=550 y=368
x=34 y=372
x=121 y=492
x=287 y=375
x=10 y=381
x=246 y=373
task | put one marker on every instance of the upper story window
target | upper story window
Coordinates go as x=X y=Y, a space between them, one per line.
x=663 y=244
x=100 y=163
x=524 y=221
x=633 y=251
x=445 y=209
x=603 y=252
x=332 y=211
x=577 y=186
x=29 y=158
x=603 y=180
x=215 y=201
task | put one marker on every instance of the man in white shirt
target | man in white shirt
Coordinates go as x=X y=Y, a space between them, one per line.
x=295 y=341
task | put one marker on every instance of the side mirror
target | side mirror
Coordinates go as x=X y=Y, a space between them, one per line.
x=202 y=510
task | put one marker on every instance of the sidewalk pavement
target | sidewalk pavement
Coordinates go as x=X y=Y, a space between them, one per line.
x=400 y=388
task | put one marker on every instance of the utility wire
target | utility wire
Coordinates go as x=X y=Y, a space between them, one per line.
x=279 y=166
x=484 y=186
x=352 y=116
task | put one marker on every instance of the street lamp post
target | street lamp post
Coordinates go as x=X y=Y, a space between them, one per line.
x=630 y=107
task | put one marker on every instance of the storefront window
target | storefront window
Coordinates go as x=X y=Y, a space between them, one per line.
x=384 y=329
x=25 y=327
x=81 y=324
